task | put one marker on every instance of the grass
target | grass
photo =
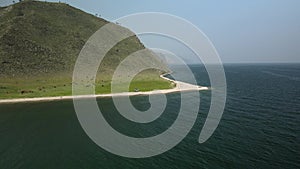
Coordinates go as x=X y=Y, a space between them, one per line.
x=40 y=42
x=41 y=37
x=59 y=85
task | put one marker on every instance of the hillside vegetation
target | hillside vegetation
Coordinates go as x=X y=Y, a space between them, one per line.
x=40 y=42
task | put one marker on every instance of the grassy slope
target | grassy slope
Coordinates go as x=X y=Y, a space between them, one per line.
x=39 y=43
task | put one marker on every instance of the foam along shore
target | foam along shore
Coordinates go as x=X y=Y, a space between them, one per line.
x=180 y=87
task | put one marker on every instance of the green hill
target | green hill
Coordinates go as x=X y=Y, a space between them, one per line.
x=40 y=42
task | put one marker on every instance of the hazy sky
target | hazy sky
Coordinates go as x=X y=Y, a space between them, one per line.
x=241 y=30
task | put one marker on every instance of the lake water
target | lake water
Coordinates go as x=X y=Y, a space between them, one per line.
x=260 y=128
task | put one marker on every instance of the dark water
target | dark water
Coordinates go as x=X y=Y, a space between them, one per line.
x=260 y=128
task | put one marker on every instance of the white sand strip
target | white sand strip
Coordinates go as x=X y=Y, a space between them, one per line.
x=180 y=87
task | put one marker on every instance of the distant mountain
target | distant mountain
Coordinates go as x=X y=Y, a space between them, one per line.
x=45 y=38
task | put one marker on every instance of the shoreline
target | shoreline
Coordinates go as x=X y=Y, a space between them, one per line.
x=180 y=87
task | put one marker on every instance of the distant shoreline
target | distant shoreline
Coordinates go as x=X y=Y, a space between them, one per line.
x=180 y=87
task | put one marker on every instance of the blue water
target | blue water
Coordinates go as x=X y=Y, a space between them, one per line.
x=259 y=129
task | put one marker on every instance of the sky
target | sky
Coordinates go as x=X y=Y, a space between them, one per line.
x=242 y=31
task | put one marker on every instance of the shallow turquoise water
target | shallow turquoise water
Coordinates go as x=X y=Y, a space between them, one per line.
x=259 y=129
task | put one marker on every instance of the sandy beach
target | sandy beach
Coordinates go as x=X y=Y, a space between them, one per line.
x=180 y=87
